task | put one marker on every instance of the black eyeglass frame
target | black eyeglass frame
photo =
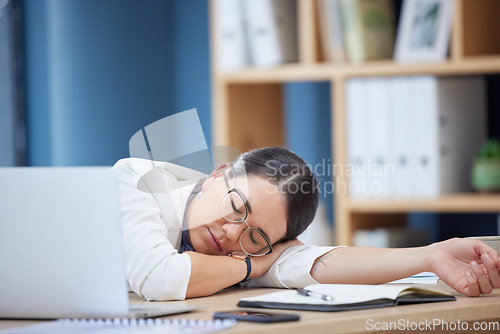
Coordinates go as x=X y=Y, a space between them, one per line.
x=233 y=189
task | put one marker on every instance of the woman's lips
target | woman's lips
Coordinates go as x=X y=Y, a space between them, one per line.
x=215 y=243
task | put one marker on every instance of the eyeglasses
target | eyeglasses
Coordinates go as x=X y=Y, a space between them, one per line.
x=233 y=208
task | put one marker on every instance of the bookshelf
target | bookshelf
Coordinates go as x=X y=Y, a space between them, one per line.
x=253 y=97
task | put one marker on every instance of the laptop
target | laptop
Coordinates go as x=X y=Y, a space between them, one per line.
x=61 y=250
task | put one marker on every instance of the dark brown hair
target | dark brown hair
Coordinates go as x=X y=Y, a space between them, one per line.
x=294 y=179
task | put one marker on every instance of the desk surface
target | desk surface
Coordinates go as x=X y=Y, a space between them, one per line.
x=464 y=309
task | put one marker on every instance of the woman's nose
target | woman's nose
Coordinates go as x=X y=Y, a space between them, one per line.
x=233 y=230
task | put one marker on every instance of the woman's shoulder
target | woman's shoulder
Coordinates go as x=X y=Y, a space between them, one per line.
x=141 y=166
x=135 y=165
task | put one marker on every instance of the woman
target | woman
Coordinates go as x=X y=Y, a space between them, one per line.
x=253 y=210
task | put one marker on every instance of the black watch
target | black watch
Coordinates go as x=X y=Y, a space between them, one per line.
x=246 y=258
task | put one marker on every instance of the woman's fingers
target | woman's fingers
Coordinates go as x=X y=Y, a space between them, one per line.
x=482 y=279
x=473 y=287
x=492 y=269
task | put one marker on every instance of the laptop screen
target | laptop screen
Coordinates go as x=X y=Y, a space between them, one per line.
x=60 y=243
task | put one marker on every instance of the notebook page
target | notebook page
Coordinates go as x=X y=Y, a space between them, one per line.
x=287 y=297
x=356 y=293
x=342 y=294
x=421 y=278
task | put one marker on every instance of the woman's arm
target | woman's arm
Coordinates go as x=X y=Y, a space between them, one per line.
x=364 y=265
x=210 y=273
x=468 y=266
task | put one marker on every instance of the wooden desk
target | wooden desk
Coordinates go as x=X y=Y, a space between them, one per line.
x=465 y=309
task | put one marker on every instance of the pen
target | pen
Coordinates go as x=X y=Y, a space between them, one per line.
x=310 y=293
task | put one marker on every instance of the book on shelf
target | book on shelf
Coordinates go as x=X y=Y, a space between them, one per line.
x=369 y=29
x=271 y=31
x=347 y=297
x=330 y=29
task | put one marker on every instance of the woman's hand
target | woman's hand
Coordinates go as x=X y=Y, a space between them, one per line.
x=261 y=264
x=467 y=265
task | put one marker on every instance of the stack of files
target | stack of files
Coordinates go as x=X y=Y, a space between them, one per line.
x=369 y=127
x=413 y=136
x=261 y=33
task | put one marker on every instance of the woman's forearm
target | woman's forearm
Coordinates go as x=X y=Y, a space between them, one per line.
x=210 y=274
x=364 y=265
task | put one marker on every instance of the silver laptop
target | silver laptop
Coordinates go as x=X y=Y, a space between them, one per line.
x=61 y=246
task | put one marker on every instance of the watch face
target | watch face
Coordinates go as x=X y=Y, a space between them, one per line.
x=238 y=255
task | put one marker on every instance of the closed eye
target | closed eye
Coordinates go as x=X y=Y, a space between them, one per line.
x=234 y=208
x=251 y=237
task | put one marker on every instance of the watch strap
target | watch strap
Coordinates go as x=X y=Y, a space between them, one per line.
x=246 y=258
x=249 y=270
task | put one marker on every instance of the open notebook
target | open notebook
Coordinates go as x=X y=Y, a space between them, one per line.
x=347 y=297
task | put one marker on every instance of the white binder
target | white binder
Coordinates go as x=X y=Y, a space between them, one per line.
x=232 y=53
x=451 y=126
x=358 y=148
x=272 y=31
x=426 y=146
x=462 y=129
x=402 y=133
x=379 y=120
x=332 y=37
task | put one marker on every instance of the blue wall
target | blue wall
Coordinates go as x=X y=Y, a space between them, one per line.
x=192 y=60
x=8 y=105
x=99 y=70
x=307 y=127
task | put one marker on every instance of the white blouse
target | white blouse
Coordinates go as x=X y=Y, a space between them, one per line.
x=153 y=199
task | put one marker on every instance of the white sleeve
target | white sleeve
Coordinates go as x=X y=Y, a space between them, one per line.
x=292 y=268
x=154 y=268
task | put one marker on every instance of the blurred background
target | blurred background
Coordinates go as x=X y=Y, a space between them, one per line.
x=79 y=77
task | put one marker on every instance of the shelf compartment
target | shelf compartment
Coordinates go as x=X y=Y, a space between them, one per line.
x=480 y=27
x=445 y=203
x=254 y=116
x=328 y=71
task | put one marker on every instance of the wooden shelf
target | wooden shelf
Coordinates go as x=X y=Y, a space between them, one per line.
x=445 y=203
x=248 y=105
x=328 y=71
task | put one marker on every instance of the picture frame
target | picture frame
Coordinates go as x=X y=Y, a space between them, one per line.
x=424 y=31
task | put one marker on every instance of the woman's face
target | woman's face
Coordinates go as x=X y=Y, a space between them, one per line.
x=211 y=234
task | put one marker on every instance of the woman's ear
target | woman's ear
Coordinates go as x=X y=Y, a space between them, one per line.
x=218 y=171
x=214 y=175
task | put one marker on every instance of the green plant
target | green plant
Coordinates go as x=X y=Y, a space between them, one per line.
x=489 y=150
